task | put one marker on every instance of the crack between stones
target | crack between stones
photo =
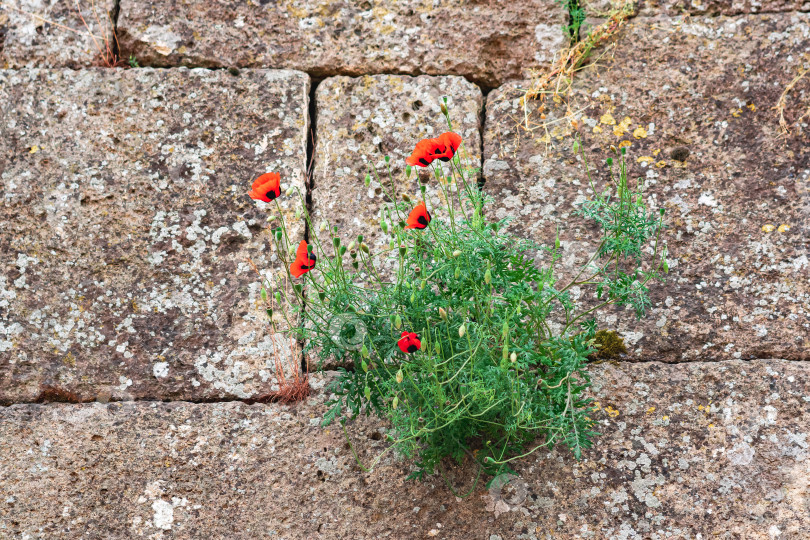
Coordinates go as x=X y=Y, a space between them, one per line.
x=114 y=13
x=312 y=115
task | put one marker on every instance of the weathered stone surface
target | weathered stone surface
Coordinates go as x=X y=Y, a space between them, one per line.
x=360 y=121
x=486 y=40
x=126 y=229
x=688 y=450
x=700 y=90
x=722 y=7
x=58 y=33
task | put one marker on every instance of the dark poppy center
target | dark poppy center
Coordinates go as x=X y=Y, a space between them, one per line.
x=422 y=220
x=412 y=348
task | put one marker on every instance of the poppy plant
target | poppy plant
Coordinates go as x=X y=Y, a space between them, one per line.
x=266 y=187
x=409 y=342
x=304 y=260
x=443 y=148
x=419 y=217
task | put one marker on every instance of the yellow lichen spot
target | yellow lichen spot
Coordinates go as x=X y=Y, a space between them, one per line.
x=608 y=119
x=619 y=130
x=597 y=129
x=656 y=151
x=597 y=405
x=752 y=107
x=613 y=413
x=665 y=418
x=34 y=149
x=700 y=407
x=711 y=425
x=784 y=227
x=625 y=143
x=557 y=99
x=645 y=159
x=768 y=228
x=661 y=164
x=651 y=410
x=640 y=133
x=736 y=113
x=545 y=139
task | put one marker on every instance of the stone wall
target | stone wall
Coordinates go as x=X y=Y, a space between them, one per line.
x=125 y=235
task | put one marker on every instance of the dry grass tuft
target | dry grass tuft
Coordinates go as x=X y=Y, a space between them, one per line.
x=781 y=105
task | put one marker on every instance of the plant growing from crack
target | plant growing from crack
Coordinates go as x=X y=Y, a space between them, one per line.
x=470 y=348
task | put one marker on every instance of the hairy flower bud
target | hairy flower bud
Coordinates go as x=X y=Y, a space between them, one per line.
x=290 y=191
x=364 y=247
x=322 y=227
x=368 y=180
x=263 y=294
x=456 y=253
x=408 y=170
x=462 y=330
x=364 y=351
x=384 y=226
x=395 y=403
x=397 y=322
x=406 y=197
x=443 y=313
x=513 y=357
x=488 y=277
x=278 y=297
x=400 y=376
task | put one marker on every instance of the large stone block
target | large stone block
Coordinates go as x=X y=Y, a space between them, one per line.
x=686 y=451
x=487 y=41
x=362 y=120
x=722 y=7
x=695 y=100
x=126 y=229
x=57 y=33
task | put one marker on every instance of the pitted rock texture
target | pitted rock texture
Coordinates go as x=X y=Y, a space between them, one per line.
x=55 y=33
x=126 y=229
x=694 y=99
x=687 y=450
x=487 y=41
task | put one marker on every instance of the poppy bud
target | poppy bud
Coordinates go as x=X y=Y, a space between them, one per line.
x=443 y=314
x=400 y=376
x=278 y=235
x=263 y=294
x=298 y=288
x=298 y=213
x=397 y=322
x=456 y=253
x=351 y=245
x=364 y=366
x=322 y=227
x=488 y=277
x=406 y=197
x=342 y=250
x=278 y=297
x=461 y=330
x=402 y=224
x=458 y=272
x=368 y=180
x=624 y=150
x=364 y=351
x=413 y=297
x=438 y=348
x=513 y=357
x=423 y=189
x=335 y=241
x=367 y=392
x=665 y=266
x=407 y=171
x=576 y=146
x=443 y=107
x=662 y=212
x=364 y=248
x=422 y=285
x=438 y=173
x=289 y=191
x=384 y=226
x=395 y=403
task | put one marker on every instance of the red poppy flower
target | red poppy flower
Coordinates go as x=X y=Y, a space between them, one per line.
x=450 y=142
x=443 y=148
x=419 y=217
x=304 y=261
x=266 y=187
x=409 y=342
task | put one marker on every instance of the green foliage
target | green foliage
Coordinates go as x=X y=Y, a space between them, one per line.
x=133 y=62
x=501 y=370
